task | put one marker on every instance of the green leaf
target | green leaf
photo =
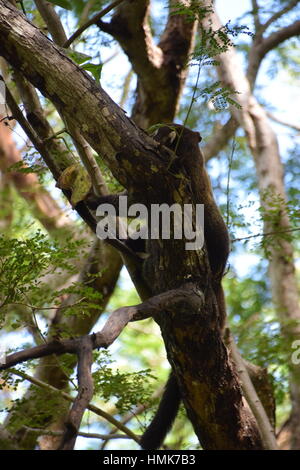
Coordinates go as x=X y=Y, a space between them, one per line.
x=78 y=57
x=62 y=3
x=95 y=69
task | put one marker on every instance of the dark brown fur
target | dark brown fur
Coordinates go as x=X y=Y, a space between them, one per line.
x=185 y=143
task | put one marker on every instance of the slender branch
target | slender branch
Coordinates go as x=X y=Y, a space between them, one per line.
x=253 y=400
x=255 y=11
x=135 y=412
x=230 y=162
x=86 y=10
x=296 y=127
x=88 y=435
x=85 y=152
x=52 y=21
x=266 y=234
x=91 y=21
x=113 y=326
x=31 y=134
x=276 y=38
x=98 y=411
x=262 y=46
x=53 y=347
x=279 y=14
x=84 y=395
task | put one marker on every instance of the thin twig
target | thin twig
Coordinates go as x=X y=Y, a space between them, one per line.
x=190 y=105
x=55 y=135
x=98 y=411
x=278 y=232
x=228 y=180
x=296 y=127
x=91 y=21
x=89 y=435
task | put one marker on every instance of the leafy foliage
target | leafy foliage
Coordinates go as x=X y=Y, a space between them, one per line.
x=25 y=266
x=129 y=389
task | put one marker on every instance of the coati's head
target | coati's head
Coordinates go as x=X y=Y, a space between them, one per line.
x=177 y=138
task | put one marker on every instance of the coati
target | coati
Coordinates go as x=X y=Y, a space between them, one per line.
x=185 y=144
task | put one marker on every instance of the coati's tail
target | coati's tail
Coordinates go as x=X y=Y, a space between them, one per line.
x=165 y=415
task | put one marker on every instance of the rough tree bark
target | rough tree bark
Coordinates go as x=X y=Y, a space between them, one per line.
x=194 y=344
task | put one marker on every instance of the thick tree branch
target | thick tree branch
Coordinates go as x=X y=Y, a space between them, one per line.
x=161 y=69
x=44 y=207
x=276 y=38
x=130 y=26
x=191 y=333
x=113 y=326
x=283 y=122
x=109 y=129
